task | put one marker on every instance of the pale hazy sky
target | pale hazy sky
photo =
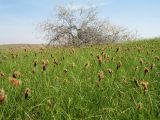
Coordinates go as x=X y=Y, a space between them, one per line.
x=18 y=18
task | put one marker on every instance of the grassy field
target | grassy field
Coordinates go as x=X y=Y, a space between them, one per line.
x=103 y=82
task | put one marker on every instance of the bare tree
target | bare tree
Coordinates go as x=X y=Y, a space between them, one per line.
x=82 y=26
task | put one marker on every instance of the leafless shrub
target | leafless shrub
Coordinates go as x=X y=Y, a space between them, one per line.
x=80 y=27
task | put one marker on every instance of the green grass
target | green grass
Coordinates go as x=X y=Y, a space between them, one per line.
x=65 y=91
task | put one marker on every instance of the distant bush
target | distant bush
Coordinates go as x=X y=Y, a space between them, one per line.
x=80 y=27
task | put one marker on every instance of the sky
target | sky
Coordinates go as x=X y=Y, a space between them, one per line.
x=19 y=18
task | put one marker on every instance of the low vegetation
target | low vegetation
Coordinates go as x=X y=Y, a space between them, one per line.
x=110 y=82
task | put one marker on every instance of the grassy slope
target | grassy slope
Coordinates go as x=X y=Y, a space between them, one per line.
x=8 y=46
x=65 y=91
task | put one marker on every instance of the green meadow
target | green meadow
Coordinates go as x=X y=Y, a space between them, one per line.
x=97 y=82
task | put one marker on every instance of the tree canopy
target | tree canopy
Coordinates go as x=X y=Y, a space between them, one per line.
x=82 y=26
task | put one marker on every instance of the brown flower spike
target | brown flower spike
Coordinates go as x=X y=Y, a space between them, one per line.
x=65 y=70
x=2 y=74
x=110 y=71
x=3 y=97
x=73 y=65
x=16 y=74
x=119 y=64
x=100 y=58
x=101 y=75
x=33 y=70
x=26 y=92
x=139 y=106
x=117 y=49
x=141 y=61
x=157 y=58
x=35 y=63
x=145 y=86
x=44 y=67
x=136 y=83
x=152 y=66
x=87 y=65
x=14 y=82
x=146 y=70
